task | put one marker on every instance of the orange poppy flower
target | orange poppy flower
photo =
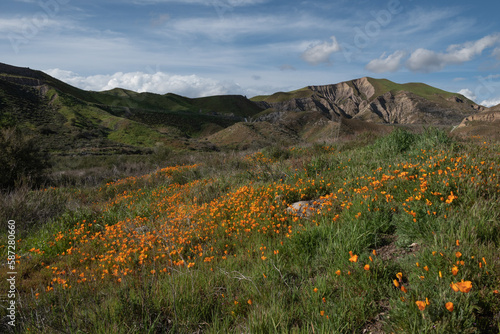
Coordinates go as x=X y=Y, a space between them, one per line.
x=366 y=267
x=420 y=304
x=353 y=258
x=461 y=286
x=454 y=270
x=449 y=306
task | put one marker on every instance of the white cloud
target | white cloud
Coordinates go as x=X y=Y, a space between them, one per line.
x=320 y=53
x=468 y=94
x=27 y=27
x=238 y=25
x=159 y=82
x=391 y=63
x=423 y=60
x=491 y=102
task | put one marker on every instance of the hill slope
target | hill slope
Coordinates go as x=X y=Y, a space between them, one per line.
x=484 y=124
x=68 y=119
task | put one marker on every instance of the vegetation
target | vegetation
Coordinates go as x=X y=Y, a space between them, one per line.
x=21 y=159
x=399 y=234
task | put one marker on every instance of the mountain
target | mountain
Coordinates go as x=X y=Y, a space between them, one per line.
x=375 y=100
x=70 y=120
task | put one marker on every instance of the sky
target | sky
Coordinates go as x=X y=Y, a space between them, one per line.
x=252 y=47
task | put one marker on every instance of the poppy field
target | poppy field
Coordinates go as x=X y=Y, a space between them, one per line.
x=394 y=234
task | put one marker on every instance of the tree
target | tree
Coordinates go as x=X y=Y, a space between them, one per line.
x=21 y=159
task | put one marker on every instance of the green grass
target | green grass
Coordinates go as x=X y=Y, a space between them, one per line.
x=427 y=92
x=284 y=96
x=404 y=203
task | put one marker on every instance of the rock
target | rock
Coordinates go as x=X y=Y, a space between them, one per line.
x=304 y=209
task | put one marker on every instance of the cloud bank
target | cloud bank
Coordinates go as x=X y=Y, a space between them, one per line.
x=468 y=94
x=159 y=82
x=426 y=61
x=491 y=102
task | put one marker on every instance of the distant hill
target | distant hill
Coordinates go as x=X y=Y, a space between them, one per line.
x=375 y=100
x=69 y=120
x=485 y=124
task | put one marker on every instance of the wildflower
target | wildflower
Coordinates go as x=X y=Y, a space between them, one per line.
x=353 y=258
x=451 y=198
x=338 y=272
x=315 y=290
x=403 y=289
x=399 y=276
x=458 y=254
x=366 y=267
x=396 y=283
x=449 y=306
x=462 y=286
x=249 y=302
x=322 y=313
x=421 y=305
x=458 y=244
x=426 y=268
x=454 y=270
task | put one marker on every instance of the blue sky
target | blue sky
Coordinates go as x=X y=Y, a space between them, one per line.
x=251 y=47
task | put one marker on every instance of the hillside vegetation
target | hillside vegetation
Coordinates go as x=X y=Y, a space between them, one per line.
x=399 y=234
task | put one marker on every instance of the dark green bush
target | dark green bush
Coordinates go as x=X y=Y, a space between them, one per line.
x=21 y=160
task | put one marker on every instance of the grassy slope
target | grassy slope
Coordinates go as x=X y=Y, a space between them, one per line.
x=428 y=92
x=212 y=247
x=119 y=116
x=382 y=86
x=284 y=96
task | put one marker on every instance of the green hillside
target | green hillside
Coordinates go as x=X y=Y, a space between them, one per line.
x=65 y=118
x=383 y=86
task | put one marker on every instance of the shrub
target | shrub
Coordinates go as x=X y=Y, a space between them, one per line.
x=21 y=159
x=397 y=141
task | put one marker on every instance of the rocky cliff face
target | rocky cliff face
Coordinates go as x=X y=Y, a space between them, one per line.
x=491 y=115
x=361 y=99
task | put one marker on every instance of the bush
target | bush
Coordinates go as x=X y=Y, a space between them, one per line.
x=21 y=159
x=398 y=141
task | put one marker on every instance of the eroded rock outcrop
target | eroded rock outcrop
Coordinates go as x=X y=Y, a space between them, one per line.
x=378 y=101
